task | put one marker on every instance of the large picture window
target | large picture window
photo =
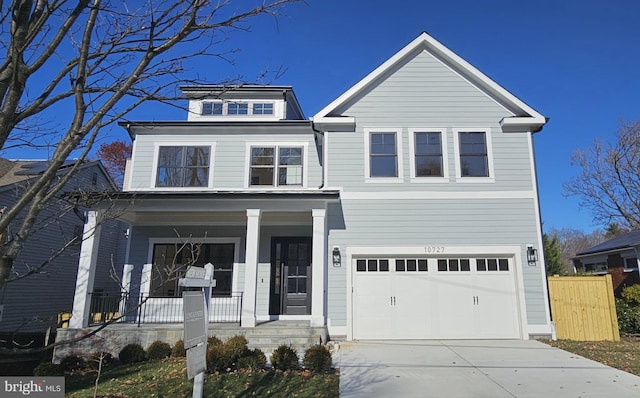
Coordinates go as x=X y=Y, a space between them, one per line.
x=183 y=166
x=276 y=166
x=171 y=260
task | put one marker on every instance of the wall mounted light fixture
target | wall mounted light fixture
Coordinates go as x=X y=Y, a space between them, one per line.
x=532 y=255
x=337 y=258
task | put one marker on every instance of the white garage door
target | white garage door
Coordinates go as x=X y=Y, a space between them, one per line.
x=434 y=298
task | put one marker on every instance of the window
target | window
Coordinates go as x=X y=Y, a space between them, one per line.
x=170 y=262
x=383 y=155
x=428 y=159
x=598 y=267
x=212 y=108
x=630 y=260
x=372 y=265
x=454 y=265
x=263 y=109
x=492 y=264
x=183 y=166
x=473 y=154
x=276 y=166
x=237 y=108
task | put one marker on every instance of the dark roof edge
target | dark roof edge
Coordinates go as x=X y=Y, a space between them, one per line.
x=185 y=123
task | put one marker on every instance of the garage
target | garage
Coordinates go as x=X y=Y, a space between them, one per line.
x=401 y=297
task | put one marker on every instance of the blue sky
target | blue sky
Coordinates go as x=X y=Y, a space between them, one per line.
x=575 y=61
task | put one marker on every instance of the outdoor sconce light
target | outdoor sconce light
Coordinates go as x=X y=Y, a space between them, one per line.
x=126 y=233
x=532 y=255
x=337 y=258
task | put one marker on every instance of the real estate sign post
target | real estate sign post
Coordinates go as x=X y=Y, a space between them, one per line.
x=195 y=305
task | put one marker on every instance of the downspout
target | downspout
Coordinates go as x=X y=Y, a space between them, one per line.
x=320 y=133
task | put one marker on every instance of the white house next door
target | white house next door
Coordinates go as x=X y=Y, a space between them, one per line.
x=434 y=298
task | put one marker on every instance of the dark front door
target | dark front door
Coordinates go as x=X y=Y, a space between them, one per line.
x=290 y=276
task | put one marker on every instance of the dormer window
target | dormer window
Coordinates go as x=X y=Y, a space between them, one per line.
x=260 y=108
x=212 y=108
x=228 y=108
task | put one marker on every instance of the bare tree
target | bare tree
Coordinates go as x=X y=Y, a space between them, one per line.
x=573 y=241
x=95 y=61
x=609 y=183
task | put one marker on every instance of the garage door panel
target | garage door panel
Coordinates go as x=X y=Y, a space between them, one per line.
x=413 y=305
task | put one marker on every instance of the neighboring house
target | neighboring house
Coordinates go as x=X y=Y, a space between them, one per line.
x=405 y=209
x=617 y=256
x=31 y=305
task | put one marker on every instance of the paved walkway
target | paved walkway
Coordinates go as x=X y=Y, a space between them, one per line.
x=478 y=368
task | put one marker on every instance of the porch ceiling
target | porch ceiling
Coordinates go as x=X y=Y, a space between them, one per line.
x=189 y=217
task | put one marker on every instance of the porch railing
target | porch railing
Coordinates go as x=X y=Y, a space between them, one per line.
x=144 y=309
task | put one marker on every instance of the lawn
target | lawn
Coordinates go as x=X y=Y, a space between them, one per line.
x=168 y=378
x=623 y=355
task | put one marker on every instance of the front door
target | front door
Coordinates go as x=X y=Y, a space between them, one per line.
x=290 y=276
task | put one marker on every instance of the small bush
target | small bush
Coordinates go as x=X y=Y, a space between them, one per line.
x=94 y=359
x=72 y=363
x=285 y=358
x=158 y=350
x=178 y=349
x=628 y=317
x=632 y=294
x=252 y=360
x=213 y=340
x=48 y=369
x=317 y=359
x=235 y=347
x=217 y=358
x=132 y=353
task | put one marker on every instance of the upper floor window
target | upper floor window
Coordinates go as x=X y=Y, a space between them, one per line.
x=428 y=154
x=383 y=155
x=276 y=166
x=473 y=154
x=260 y=108
x=183 y=166
x=237 y=108
x=212 y=108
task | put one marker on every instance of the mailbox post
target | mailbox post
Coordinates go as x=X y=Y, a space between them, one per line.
x=195 y=305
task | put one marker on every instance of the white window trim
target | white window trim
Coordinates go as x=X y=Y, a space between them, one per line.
x=367 y=156
x=595 y=260
x=270 y=144
x=156 y=155
x=235 y=285
x=412 y=156
x=625 y=256
x=456 y=151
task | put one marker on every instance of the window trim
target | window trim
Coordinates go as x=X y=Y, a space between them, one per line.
x=235 y=285
x=456 y=151
x=628 y=255
x=367 y=156
x=277 y=145
x=412 y=156
x=595 y=260
x=156 y=158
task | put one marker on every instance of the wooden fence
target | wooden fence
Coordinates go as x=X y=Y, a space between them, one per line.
x=583 y=308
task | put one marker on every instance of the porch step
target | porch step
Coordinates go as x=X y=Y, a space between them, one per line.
x=269 y=335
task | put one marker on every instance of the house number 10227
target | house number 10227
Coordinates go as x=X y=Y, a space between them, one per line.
x=435 y=249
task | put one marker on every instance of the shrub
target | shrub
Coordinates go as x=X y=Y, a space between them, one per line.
x=213 y=340
x=48 y=369
x=628 y=317
x=317 y=359
x=252 y=360
x=71 y=363
x=158 y=350
x=94 y=359
x=632 y=294
x=235 y=347
x=285 y=358
x=217 y=358
x=178 y=349
x=132 y=353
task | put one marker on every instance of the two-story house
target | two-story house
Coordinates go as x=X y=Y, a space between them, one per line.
x=405 y=209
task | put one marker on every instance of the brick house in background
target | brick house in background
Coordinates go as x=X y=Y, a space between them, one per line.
x=617 y=256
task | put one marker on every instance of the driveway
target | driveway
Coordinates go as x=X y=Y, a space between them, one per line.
x=475 y=368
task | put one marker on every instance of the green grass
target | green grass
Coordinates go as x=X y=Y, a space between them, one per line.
x=168 y=378
x=623 y=355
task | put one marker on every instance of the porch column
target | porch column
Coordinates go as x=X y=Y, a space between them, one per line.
x=86 y=272
x=319 y=259
x=251 y=268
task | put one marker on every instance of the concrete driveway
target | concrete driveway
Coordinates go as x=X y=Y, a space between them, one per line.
x=478 y=368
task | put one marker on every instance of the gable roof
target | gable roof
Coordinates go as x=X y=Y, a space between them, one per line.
x=524 y=114
x=624 y=241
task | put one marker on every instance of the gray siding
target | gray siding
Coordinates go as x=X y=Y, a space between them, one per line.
x=33 y=303
x=230 y=162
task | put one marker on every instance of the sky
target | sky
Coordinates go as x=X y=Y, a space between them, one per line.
x=575 y=61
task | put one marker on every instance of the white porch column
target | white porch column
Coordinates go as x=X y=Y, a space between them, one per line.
x=126 y=287
x=318 y=263
x=86 y=272
x=251 y=268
